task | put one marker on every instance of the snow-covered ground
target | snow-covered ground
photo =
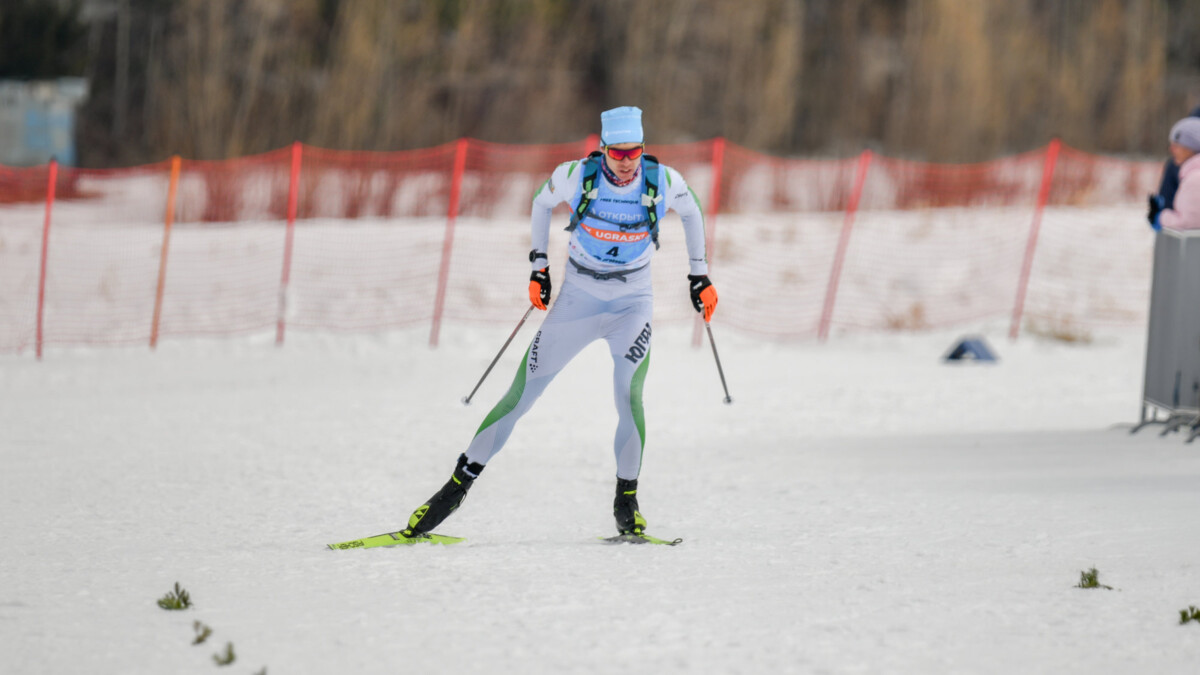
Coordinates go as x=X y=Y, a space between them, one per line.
x=861 y=507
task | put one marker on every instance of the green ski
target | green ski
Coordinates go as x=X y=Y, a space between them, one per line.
x=396 y=539
x=640 y=539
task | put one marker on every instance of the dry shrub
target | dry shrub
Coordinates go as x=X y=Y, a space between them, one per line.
x=942 y=80
x=1060 y=329
x=911 y=320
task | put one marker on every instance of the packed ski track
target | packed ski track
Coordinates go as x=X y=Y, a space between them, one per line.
x=860 y=507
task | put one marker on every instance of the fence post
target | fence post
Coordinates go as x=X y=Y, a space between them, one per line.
x=460 y=167
x=168 y=220
x=860 y=178
x=51 y=181
x=710 y=223
x=293 y=201
x=1034 y=230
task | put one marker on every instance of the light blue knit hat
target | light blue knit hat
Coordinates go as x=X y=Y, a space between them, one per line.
x=621 y=125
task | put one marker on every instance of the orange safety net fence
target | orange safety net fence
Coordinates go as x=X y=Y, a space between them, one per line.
x=310 y=239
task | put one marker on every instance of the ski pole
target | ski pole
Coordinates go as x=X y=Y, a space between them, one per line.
x=717 y=358
x=467 y=399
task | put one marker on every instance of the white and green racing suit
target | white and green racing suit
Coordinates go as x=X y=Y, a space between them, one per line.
x=606 y=293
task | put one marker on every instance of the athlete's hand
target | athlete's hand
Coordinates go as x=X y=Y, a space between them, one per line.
x=539 y=288
x=704 y=295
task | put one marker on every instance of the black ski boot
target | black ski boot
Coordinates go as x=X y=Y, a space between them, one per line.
x=431 y=514
x=625 y=508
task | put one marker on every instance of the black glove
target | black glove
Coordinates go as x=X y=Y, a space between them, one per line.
x=704 y=296
x=1157 y=203
x=539 y=287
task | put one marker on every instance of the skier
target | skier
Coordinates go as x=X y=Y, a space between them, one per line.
x=617 y=198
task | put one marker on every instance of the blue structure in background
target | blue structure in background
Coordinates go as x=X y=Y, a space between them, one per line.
x=37 y=120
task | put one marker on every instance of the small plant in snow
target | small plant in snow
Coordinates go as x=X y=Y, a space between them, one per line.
x=1189 y=614
x=1091 y=579
x=227 y=658
x=178 y=599
x=202 y=633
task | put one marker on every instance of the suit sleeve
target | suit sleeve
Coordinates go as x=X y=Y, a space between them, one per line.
x=561 y=187
x=682 y=200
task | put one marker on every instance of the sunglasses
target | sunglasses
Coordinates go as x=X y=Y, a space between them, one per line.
x=618 y=154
